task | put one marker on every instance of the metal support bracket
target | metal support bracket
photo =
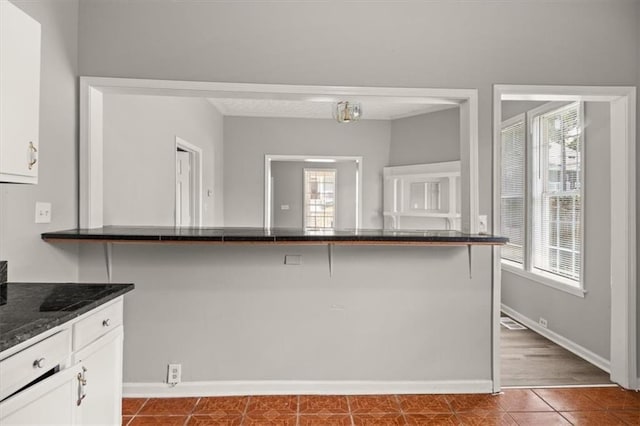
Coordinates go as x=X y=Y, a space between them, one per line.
x=108 y=257
x=330 y=249
x=469 y=254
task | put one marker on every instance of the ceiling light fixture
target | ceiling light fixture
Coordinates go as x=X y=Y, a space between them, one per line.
x=346 y=112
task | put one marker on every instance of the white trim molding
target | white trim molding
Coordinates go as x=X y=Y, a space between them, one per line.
x=560 y=340
x=302 y=387
x=92 y=90
x=551 y=281
x=622 y=103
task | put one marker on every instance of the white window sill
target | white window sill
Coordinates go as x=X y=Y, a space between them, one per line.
x=556 y=283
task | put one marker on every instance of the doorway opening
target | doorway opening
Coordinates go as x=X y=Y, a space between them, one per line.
x=528 y=290
x=304 y=191
x=188 y=184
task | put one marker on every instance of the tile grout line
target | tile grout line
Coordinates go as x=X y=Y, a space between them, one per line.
x=404 y=418
x=193 y=409
x=138 y=411
x=298 y=410
x=349 y=408
x=141 y=406
x=245 y=411
x=455 y=414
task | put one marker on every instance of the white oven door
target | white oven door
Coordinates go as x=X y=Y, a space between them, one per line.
x=52 y=401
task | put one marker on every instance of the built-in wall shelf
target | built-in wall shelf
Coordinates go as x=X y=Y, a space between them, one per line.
x=173 y=235
x=422 y=196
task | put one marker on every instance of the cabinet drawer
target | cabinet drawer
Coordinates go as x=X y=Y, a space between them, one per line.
x=30 y=363
x=97 y=324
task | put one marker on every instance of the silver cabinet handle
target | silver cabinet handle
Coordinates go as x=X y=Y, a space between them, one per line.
x=33 y=158
x=82 y=382
x=106 y=323
x=38 y=363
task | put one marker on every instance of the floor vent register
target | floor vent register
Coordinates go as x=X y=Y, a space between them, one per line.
x=511 y=324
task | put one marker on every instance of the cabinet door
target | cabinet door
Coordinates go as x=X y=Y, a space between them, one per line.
x=20 y=100
x=103 y=390
x=50 y=402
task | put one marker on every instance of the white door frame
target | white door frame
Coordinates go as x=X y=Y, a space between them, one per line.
x=92 y=90
x=268 y=181
x=195 y=153
x=622 y=101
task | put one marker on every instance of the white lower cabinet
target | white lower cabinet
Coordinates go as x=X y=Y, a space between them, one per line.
x=102 y=361
x=57 y=382
x=52 y=401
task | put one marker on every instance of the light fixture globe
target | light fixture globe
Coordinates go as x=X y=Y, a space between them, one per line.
x=346 y=112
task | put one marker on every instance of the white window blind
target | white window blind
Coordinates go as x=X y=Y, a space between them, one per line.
x=319 y=198
x=513 y=190
x=557 y=193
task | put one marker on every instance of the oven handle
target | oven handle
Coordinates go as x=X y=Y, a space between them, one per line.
x=82 y=382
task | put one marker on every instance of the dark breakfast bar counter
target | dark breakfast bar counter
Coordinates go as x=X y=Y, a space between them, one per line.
x=159 y=234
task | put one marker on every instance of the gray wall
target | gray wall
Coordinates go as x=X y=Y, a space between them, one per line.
x=411 y=44
x=239 y=313
x=29 y=258
x=426 y=138
x=408 y=44
x=248 y=140
x=139 y=157
x=288 y=188
x=423 y=44
x=586 y=321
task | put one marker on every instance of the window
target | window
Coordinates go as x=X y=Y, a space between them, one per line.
x=319 y=198
x=542 y=192
x=513 y=185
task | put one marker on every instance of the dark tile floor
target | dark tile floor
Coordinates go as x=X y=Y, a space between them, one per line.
x=599 y=406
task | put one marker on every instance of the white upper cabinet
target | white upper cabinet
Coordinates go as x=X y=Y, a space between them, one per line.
x=19 y=95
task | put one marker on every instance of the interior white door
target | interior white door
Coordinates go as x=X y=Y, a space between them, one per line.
x=183 y=189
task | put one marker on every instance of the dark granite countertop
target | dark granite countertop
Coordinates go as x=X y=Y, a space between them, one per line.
x=28 y=309
x=160 y=234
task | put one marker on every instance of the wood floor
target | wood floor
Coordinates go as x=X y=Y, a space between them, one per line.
x=529 y=359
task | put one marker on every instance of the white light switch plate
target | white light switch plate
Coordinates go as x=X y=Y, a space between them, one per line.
x=43 y=212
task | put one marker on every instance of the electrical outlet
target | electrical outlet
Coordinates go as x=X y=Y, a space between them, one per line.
x=542 y=322
x=174 y=374
x=482 y=224
x=293 y=259
x=43 y=212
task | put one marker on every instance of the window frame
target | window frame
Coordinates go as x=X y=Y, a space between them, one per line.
x=532 y=142
x=305 y=201
x=522 y=117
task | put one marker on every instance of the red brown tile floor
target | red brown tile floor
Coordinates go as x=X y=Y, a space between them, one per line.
x=545 y=407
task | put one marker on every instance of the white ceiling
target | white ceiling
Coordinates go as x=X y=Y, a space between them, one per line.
x=372 y=109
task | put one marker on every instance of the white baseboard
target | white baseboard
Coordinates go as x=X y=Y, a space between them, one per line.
x=294 y=387
x=569 y=345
